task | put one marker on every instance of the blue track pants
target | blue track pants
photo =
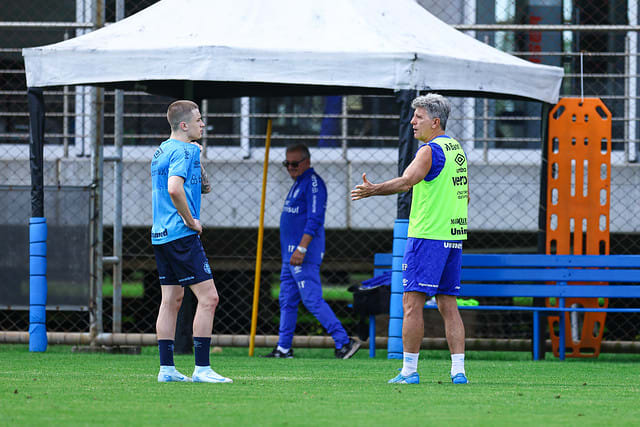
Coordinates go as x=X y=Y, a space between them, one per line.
x=303 y=283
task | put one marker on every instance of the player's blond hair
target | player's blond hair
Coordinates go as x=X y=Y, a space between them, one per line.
x=180 y=111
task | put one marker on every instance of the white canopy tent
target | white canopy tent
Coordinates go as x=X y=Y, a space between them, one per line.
x=231 y=48
x=287 y=47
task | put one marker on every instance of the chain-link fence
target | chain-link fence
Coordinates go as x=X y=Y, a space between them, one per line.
x=595 y=42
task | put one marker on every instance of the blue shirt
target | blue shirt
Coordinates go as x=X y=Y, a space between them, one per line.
x=303 y=213
x=174 y=158
x=437 y=159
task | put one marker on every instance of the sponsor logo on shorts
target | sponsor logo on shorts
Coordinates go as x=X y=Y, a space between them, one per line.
x=297 y=269
x=452 y=245
x=206 y=267
x=184 y=279
x=427 y=285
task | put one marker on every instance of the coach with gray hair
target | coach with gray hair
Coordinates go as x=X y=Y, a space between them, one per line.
x=437 y=227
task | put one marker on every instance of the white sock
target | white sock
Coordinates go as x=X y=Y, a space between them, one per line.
x=282 y=350
x=200 y=369
x=166 y=368
x=457 y=364
x=409 y=363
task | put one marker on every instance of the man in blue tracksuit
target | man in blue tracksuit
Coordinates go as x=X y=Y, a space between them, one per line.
x=302 y=248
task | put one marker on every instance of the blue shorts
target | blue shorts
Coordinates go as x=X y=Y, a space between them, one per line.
x=182 y=262
x=432 y=266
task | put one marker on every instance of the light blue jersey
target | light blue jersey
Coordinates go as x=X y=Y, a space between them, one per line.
x=174 y=158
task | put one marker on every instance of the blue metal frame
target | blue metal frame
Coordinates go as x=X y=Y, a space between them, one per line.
x=551 y=268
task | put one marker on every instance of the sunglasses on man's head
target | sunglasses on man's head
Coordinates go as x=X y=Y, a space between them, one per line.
x=287 y=163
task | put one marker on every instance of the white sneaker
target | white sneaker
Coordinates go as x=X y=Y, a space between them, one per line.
x=170 y=376
x=209 y=376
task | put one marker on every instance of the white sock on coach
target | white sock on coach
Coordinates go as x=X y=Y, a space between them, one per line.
x=457 y=364
x=282 y=350
x=409 y=363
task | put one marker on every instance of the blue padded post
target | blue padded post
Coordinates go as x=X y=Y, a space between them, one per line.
x=37 y=284
x=394 y=345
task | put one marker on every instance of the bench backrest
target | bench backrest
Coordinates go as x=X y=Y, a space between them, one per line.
x=494 y=274
x=381 y=263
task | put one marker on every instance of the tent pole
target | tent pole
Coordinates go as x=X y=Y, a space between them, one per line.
x=542 y=227
x=37 y=226
x=407 y=146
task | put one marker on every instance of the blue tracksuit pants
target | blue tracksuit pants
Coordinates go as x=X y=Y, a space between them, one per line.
x=303 y=283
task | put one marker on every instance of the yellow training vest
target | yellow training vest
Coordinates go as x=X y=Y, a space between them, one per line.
x=439 y=206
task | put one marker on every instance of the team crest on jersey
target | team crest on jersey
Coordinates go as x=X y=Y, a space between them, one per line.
x=206 y=267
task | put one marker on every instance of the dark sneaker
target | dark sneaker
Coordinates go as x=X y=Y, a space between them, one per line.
x=280 y=355
x=348 y=349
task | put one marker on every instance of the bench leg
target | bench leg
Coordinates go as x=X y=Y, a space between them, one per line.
x=561 y=333
x=372 y=336
x=536 y=336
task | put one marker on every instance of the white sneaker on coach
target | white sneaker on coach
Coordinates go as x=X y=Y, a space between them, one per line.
x=172 y=375
x=208 y=375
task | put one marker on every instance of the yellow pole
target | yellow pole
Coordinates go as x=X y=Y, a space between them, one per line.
x=256 y=283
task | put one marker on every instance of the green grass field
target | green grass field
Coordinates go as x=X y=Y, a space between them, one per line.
x=64 y=388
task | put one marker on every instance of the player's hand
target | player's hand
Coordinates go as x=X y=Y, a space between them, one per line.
x=296 y=258
x=196 y=226
x=195 y=143
x=364 y=190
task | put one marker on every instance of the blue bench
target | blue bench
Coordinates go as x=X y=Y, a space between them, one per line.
x=492 y=275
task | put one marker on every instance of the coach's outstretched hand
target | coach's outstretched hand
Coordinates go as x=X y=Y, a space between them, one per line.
x=364 y=190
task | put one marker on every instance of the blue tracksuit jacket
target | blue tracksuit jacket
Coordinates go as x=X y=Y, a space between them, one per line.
x=303 y=212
